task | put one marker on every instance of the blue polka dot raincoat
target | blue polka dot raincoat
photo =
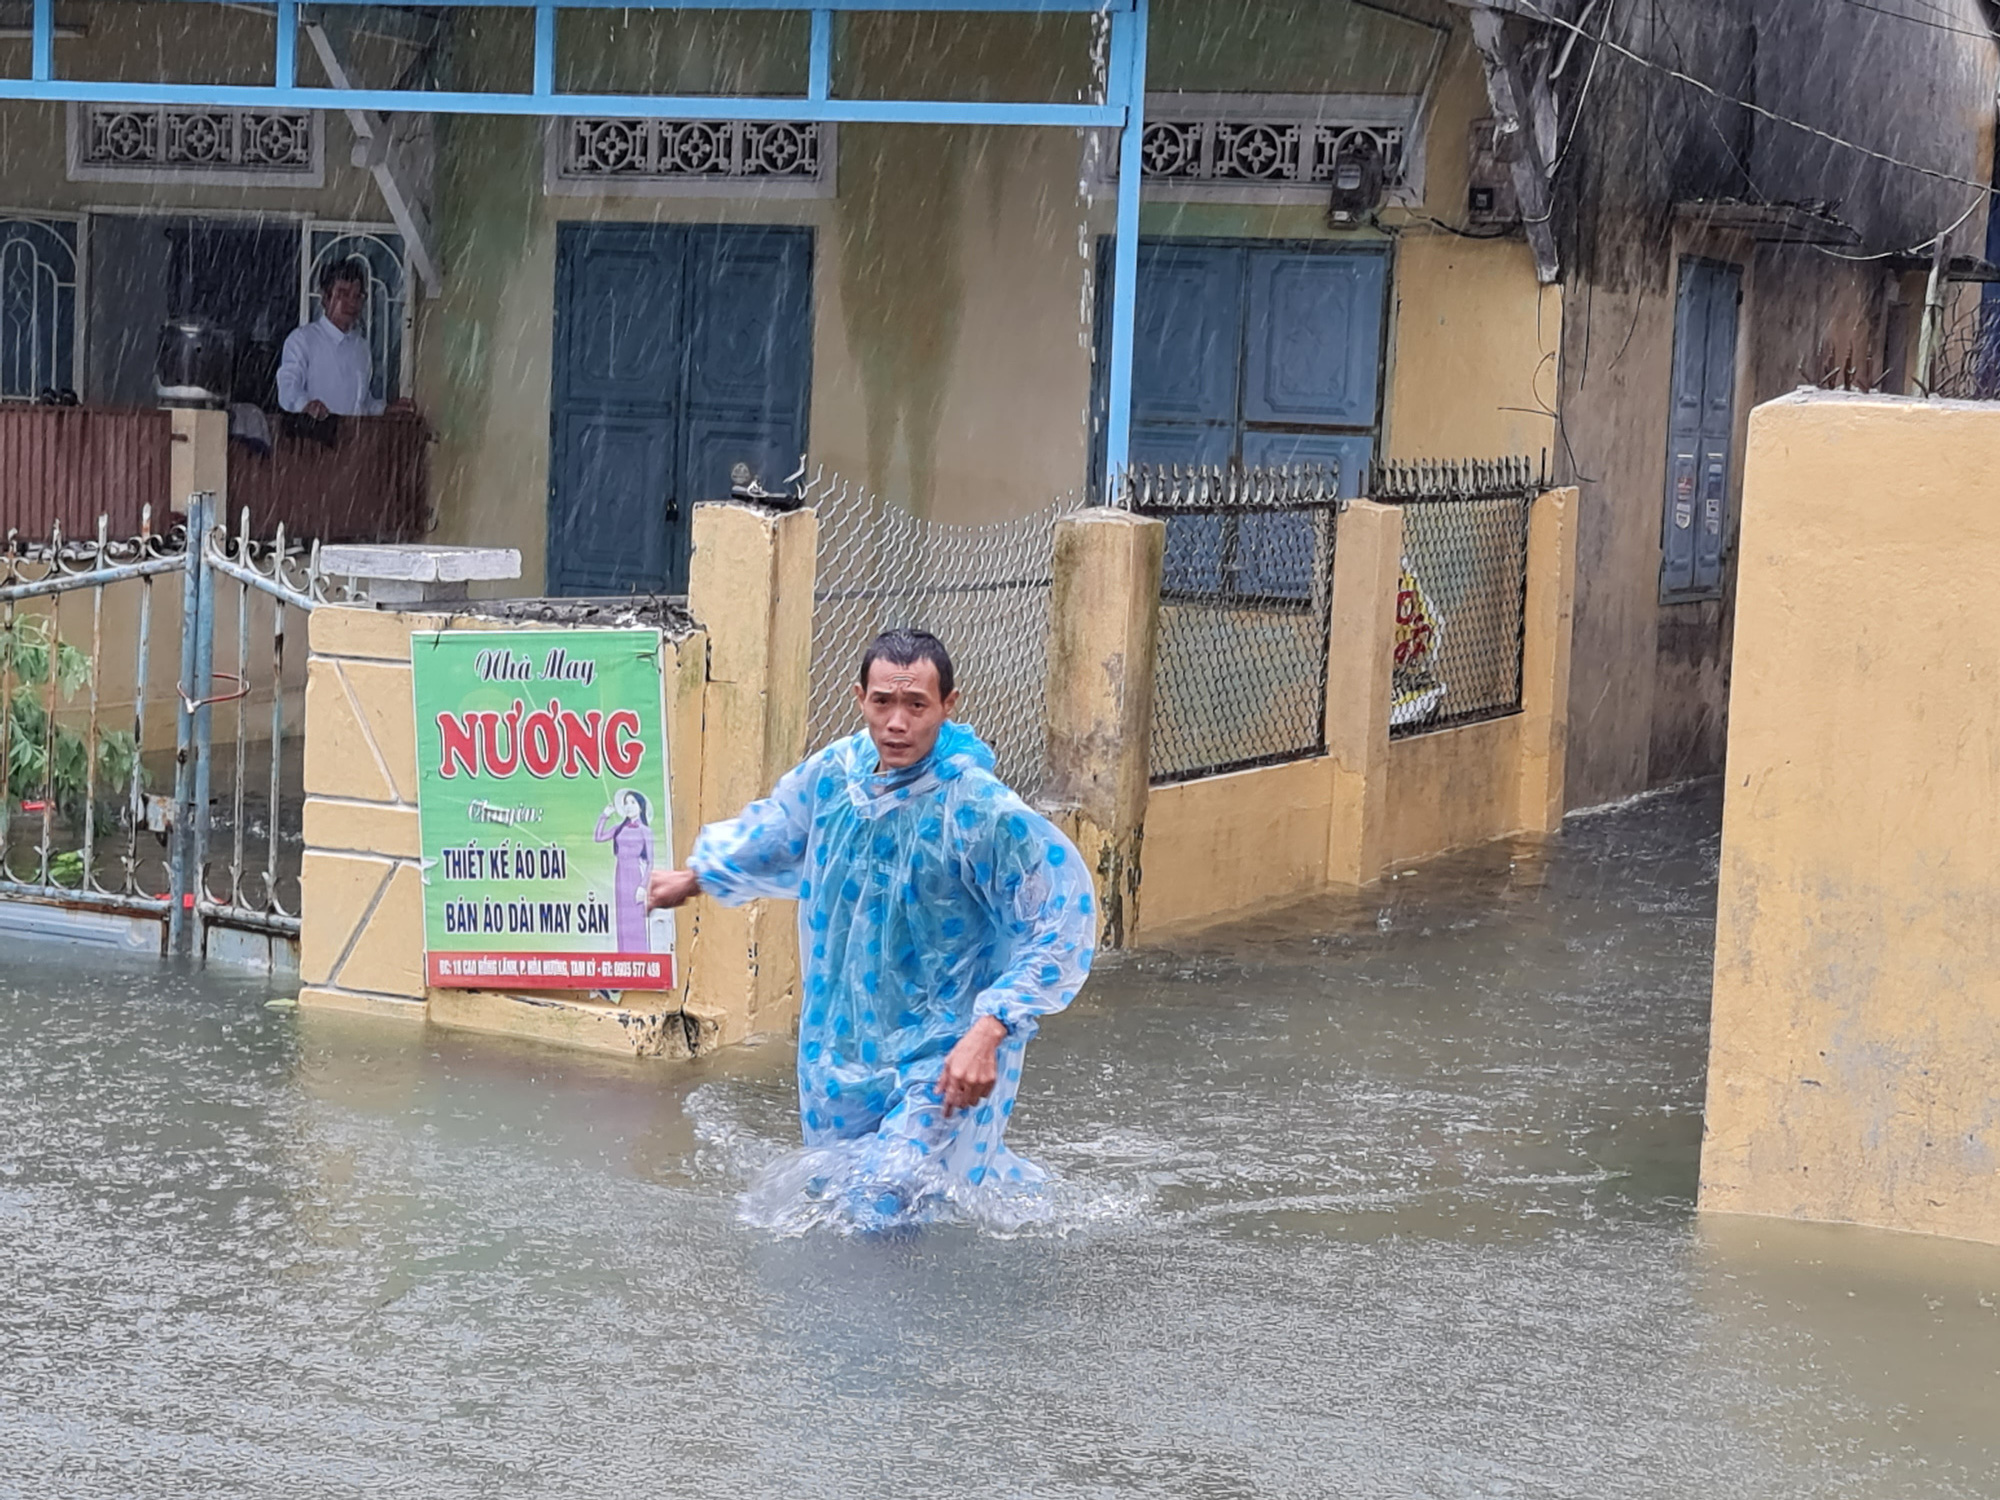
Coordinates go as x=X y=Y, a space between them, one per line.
x=928 y=897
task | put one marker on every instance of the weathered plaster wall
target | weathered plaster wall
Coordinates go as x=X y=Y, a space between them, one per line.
x=1919 y=92
x=143 y=41
x=1651 y=679
x=952 y=359
x=1853 y=1069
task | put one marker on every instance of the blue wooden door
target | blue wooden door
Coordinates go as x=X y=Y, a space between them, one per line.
x=1187 y=344
x=1700 y=430
x=615 y=411
x=749 y=350
x=1187 y=353
x=680 y=351
x=1253 y=354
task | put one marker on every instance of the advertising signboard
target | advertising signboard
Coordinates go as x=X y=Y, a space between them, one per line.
x=542 y=798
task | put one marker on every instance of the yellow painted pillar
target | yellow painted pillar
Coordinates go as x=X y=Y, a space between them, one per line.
x=1104 y=614
x=199 y=460
x=361 y=912
x=1367 y=563
x=1545 y=641
x=1854 y=1037
x=750 y=584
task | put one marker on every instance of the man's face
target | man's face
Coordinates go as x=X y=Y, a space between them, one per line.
x=904 y=710
x=343 y=304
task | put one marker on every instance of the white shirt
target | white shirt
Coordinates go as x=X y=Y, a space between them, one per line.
x=323 y=364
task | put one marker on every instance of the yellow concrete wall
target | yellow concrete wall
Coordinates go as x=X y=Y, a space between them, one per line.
x=751 y=585
x=1225 y=845
x=1473 y=337
x=1853 y=1068
x=1229 y=844
x=1453 y=788
x=1104 y=626
x=1474 y=364
x=362 y=943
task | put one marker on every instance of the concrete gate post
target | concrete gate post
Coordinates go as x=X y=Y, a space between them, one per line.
x=1367 y=562
x=1854 y=1043
x=1545 y=642
x=750 y=583
x=1104 y=613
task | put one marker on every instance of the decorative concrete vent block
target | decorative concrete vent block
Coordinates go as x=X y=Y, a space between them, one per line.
x=419 y=573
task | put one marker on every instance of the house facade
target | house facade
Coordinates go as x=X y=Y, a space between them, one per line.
x=1405 y=229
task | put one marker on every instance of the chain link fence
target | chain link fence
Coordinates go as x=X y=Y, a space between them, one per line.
x=1245 y=609
x=983 y=590
x=1461 y=602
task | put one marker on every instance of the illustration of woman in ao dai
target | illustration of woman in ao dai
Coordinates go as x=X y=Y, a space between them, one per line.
x=627 y=826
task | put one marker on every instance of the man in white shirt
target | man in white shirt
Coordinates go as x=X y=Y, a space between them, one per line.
x=326 y=369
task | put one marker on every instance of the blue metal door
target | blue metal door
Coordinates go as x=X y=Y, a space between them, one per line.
x=680 y=351
x=1700 y=429
x=749 y=352
x=1254 y=354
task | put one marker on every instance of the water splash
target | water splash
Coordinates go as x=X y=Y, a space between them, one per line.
x=868 y=1187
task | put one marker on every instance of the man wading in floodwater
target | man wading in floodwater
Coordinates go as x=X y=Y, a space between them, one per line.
x=939 y=920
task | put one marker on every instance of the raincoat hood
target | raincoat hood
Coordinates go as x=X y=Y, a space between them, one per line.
x=958 y=750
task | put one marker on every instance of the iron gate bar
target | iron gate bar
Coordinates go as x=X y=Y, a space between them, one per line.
x=202 y=553
x=76 y=566
x=1123 y=108
x=192 y=720
x=69 y=581
x=236 y=558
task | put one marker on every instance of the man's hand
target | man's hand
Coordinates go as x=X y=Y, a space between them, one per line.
x=970 y=1070
x=317 y=411
x=669 y=888
x=401 y=405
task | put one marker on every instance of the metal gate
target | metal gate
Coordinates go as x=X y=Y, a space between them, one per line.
x=982 y=589
x=1246 y=591
x=143 y=782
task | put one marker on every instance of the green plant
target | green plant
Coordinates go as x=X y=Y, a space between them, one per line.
x=54 y=766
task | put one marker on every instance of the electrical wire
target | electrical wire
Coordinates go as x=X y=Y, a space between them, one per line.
x=1756 y=109
x=1942 y=234
x=1582 y=94
x=1984 y=36
x=1464 y=234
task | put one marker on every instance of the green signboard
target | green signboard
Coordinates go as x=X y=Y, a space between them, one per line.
x=542 y=795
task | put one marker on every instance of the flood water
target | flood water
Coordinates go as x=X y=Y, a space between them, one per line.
x=1382 y=1199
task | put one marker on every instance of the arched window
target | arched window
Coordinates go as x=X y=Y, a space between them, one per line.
x=384 y=312
x=37 y=307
